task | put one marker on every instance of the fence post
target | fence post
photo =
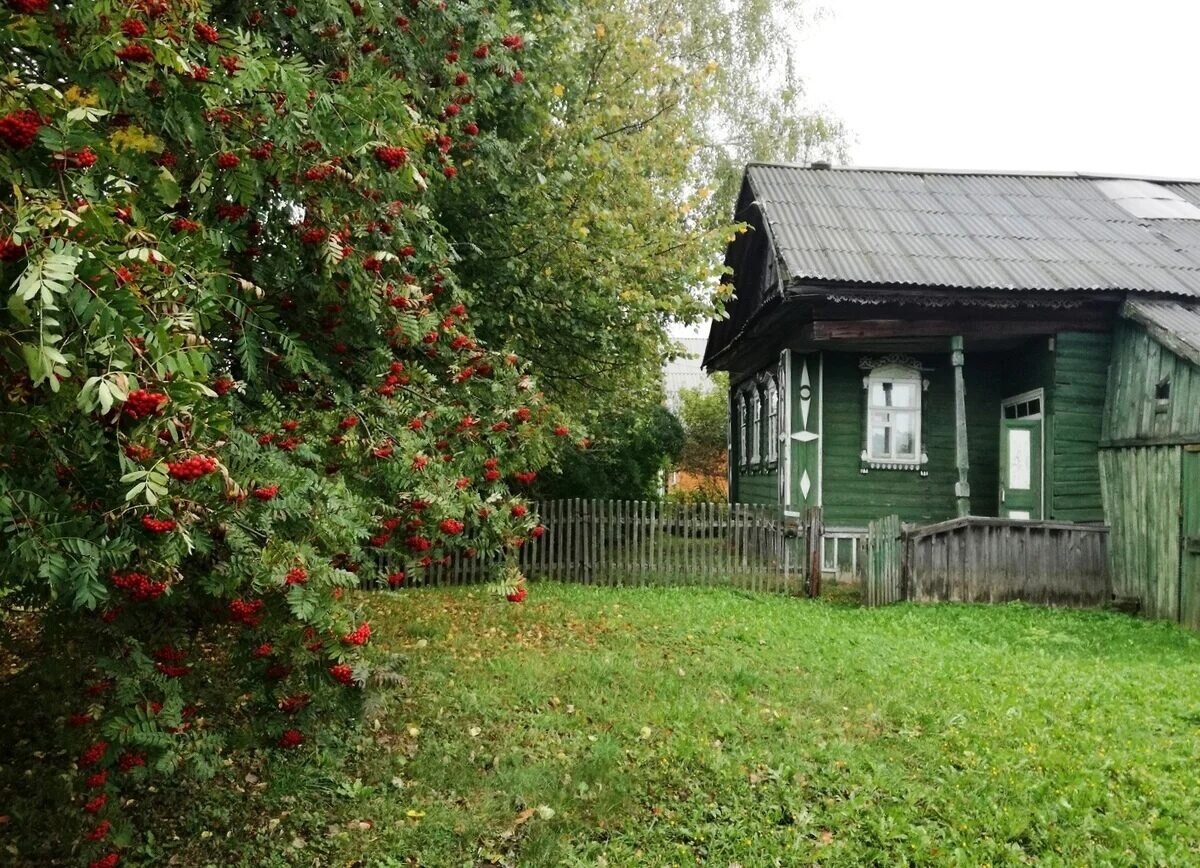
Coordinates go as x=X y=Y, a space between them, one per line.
x=813 y=532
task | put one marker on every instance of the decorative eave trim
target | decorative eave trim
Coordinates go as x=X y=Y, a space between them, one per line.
x=903 y=360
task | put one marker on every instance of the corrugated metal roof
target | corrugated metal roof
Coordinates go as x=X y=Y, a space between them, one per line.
x=1176 y=324
x=975 y=231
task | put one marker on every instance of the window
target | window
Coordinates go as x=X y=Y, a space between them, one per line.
x=894 y=416
x=772 y=421
x=756 y=428
x=743 y=439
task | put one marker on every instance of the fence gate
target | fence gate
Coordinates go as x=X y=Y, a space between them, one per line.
x=885 y=561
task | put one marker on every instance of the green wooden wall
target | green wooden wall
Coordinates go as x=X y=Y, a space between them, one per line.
x=751 y=483
x=852 y=498
x=1073 y=375
x=1134 y=415
x=757 y=487
x=1142 y=490
x=1077 y=411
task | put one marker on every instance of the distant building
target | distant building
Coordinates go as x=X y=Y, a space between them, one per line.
x=686 y=372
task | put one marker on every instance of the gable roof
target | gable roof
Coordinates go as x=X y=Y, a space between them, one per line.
x=1176 y=326
x=979 y=230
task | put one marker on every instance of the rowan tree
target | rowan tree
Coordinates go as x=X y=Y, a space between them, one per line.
x=237 y=358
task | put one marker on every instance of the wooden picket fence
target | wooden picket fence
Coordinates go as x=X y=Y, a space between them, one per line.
x=632 y=542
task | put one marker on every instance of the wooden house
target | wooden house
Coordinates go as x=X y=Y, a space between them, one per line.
x=936 y=345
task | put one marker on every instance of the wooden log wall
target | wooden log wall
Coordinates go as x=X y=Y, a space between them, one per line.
x=1142 y=494
x=993 y=560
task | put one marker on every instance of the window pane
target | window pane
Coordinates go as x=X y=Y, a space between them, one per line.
x=880 y=442
x=904 y=394
x=880 y=394
x=906 y=435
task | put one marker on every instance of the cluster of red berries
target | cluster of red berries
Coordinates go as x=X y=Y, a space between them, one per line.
x=228 y=160
x=96 y=805
x=138 y=586
x=100 y=831
x=192 y=468
x=395 y=579
x=513 y=42
x=128 y=761
x=133 y=28
x=291 y=738
x=142 y=403
x=263 y=650
x=296 y=576
x=451 y=526
x=561 y=431
x=358 y=636
x=135 y=52
x=525 y=477
x=517 y=596
x=93 y=754
x=206 y=33
x=391 y=157
x=83 y=158
x=342 y=673
x=28 y=7
x=10 y=251
x=158 y=525
x=19 y=129
x=246 y=612
x=519 y=510
x=266 y=492
x=183 y=224
x=222 y=385
x=112 y=860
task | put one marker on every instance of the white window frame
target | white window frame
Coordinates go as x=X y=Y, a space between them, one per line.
x=743 y=422
x=756 y=421
x=772 y=398
x=894 y=374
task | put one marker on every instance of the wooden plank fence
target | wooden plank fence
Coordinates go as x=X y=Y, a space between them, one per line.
x=885 y=562
x=988 y=560
x=624 y=542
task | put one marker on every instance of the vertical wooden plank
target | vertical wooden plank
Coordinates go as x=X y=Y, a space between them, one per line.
x=640 y=554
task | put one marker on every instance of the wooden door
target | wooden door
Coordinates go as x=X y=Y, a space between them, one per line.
x=1021 y=468
x=1189 y=568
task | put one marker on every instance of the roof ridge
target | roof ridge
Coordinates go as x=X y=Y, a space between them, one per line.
x=1001 y=173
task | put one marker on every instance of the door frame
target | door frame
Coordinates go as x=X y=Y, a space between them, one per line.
x=1040 y=416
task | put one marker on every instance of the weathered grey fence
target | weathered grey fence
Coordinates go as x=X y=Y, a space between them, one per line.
x=994 y=560
x=612 y=542
x=885 y=562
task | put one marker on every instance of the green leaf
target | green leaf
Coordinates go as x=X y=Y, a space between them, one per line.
x=166 y=187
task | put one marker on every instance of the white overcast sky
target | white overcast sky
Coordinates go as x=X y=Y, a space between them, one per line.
x=1034 y=85
x=1100 y=86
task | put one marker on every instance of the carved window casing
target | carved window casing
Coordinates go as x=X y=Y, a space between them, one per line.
x=892 y=428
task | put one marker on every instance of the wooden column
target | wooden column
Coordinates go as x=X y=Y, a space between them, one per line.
x=962 y=488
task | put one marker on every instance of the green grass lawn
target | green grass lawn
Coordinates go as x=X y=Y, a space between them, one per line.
x=685 y=726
